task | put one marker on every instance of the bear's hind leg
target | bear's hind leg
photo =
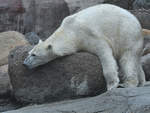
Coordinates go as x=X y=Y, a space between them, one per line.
x=141 y=77
x=130 y=68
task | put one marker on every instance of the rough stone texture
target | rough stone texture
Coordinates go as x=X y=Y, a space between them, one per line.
x=5 y=85
x=68 y=77
x=143 y=16
x=11 y=15
x=44 y=16
x=146 y=65
x=32 y=38
x=138 y=4
x=11 y=6
x=6 y=100
x=77 y=5
x=127 y=4
x=126 y=100
x=40 y=16
x=8 y=41
x=7 y=104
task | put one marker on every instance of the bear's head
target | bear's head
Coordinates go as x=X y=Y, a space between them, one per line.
x=40 y=54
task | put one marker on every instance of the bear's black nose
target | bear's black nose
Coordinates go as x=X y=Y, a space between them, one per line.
x=25 y=63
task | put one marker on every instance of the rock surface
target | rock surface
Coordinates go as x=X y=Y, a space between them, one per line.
x=39 y=16
x=7 y=102
x=69 y=77
x=11 y=15
x=146 y=33
x=126 y=100
x=44 y=16
x=138 y=4
x=32 y=38
x=8 y=41
x=145 y=60
x=5 y=85
x=143 y=16
x=77 y=5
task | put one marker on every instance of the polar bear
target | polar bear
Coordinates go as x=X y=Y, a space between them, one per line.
x=108 y=31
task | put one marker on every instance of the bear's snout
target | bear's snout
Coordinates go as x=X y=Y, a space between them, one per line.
x=26 y=63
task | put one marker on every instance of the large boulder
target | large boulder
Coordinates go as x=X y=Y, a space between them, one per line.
x=64 y=78
x=126 y=100
x=8 y=41
x=143 y=16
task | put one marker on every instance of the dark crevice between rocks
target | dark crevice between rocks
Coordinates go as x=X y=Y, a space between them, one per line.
x=8 y=102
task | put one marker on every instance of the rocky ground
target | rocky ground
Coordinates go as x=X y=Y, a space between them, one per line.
x=135 y=100
x=76 y=76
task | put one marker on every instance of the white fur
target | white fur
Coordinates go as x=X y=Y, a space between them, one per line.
x=108 y=31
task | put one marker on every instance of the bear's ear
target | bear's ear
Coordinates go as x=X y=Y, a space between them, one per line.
x=40 y=41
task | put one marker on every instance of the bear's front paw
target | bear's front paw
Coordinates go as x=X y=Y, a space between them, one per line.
x=112 y=85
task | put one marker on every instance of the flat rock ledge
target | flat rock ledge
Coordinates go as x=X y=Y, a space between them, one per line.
x=126 y=100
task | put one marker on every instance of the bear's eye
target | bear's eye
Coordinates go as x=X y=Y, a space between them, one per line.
x=33 y=55
x=49 y=47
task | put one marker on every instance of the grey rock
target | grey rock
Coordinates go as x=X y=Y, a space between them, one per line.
x=6 y=99
x=64 y=78
x=146 y=39
x=146 y=49
x=138 y=4
x=145 y=60
x=32 y=38
x=126 y=4
x=44 y=16
x=8 y=41
x=126 y=100
x=11 y=15
x=143 y=16
x=5 y=86
x=77 y=5
x=40 y=16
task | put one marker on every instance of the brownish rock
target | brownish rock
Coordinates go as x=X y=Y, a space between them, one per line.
x=8 y=41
